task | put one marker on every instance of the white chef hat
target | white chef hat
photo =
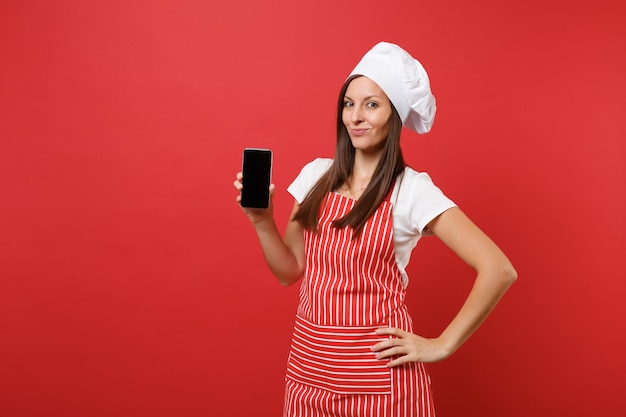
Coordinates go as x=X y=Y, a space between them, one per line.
x=405 y=82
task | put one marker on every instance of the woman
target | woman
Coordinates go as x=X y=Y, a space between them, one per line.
x=355 y=221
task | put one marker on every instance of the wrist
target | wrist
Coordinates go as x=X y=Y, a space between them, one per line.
x=263 y=224
x=446 y=347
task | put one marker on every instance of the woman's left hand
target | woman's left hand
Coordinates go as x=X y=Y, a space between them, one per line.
x=407 y=347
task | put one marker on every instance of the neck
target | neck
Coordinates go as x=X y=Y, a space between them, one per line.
x=360 y=178
x=364 y=166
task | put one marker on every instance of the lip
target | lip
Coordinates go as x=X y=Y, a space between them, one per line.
x=358 y=132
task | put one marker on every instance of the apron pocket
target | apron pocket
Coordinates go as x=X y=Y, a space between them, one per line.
x=338 y=359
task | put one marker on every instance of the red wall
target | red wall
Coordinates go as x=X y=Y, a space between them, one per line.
x=132 y=285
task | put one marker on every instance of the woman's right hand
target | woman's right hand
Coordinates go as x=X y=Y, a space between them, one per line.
x=255 y=215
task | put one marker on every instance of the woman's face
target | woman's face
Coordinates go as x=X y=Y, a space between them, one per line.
x=366 y=115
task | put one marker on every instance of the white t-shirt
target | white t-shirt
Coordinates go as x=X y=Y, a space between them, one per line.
x=415 y=202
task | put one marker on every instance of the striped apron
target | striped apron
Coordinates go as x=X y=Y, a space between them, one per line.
x=349 y=289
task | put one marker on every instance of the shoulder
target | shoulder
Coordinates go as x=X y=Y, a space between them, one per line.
x=317 y=166
x=415 y=178
x=418 y=199
x=308 y=177
x=314 y=170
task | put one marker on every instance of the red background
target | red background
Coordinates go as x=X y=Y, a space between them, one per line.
x=132 y=285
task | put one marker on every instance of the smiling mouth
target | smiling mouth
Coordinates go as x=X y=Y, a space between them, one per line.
x=358 y=132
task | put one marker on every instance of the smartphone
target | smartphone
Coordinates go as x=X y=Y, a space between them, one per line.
x=257 y=177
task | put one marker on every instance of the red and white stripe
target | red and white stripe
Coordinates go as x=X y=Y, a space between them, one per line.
x=350 y=282
x=350 y=288
x=338 y=359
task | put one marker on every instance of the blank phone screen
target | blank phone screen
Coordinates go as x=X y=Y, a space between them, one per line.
x=257 y=173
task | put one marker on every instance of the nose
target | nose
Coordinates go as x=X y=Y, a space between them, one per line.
x=356 y=115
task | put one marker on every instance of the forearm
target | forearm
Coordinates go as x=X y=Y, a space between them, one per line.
x=279 y=257
x=284 y=257
x=488 y=289
x=495 y=274
x=407 y=347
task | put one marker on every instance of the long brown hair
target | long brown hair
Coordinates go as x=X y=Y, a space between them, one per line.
x=391 y=164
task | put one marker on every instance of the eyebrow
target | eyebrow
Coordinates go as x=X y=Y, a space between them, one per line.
x=365 y=99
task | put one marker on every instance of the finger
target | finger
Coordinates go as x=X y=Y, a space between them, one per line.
x=398 y=361
x=387 y=353
x=239 y=176
x=388 y=344
x=391 y=331
x=382 y=346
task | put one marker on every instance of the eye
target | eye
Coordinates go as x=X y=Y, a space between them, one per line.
x=372 y=104
x=348 y=103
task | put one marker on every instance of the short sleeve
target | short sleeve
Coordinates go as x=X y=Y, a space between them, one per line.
x=416 y=202
x=420 y=200
x=308 y=177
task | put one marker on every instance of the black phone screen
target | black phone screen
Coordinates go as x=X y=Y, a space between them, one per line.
x=257 y=176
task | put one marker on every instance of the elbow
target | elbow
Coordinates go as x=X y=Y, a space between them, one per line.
x=288 y=281
x=501 y=274
x=509 y=275
x=285 y=283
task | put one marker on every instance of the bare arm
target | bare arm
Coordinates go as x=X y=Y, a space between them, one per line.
x=495 y=274
x=283 y=255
